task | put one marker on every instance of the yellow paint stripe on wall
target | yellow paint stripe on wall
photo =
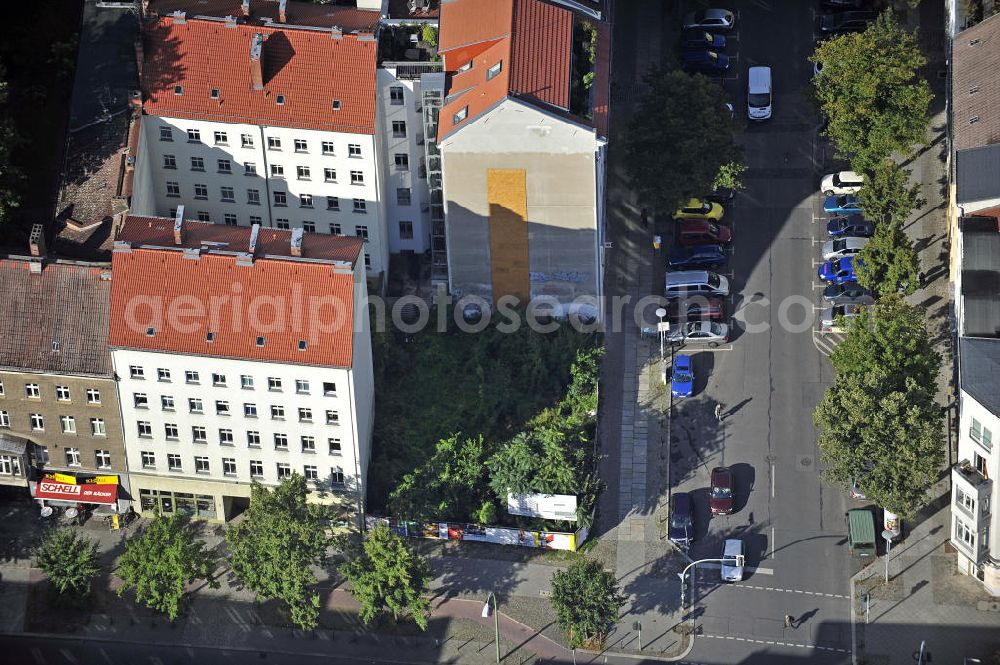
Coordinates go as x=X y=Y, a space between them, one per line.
x=507 y=194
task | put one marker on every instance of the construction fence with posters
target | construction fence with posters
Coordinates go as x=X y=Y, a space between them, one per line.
x=553 y=540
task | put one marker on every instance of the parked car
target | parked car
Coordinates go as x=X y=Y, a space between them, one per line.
x=690 y=283
x=700 y=40
x=854 y=226
x=843 y=22
x=841 y=182
x=841 y=247
x=848 y=293
x=705 y=62
x=722 y=195
x=759 y=93
x=721 y=499
x=682 y=376
x=839 y=271
x=699 y=209
x=711 y=333
x=845 y=204
x=697 y=256
x=732 y=560
x=710 y=19
x=681 y=529
x=833 y=319
x=703 y=232
x=696 y=307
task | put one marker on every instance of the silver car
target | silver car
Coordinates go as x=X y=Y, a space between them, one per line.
x=830 y=319
x=710 y=19
x=841 y=247
x=699 y=332
x=732 y=560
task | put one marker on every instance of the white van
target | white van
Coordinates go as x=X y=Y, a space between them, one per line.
x=688 y=283
x=759 y=93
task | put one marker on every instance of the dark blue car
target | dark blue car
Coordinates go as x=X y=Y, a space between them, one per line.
x=681 y=529
x=850 y=226
x=699 y=256
x=706 y=62
x=839 y=271
x=845 y=204
x=700 y=40
x=682 y=377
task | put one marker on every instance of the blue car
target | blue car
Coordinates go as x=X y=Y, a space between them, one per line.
x=850 y=226
x=681 y=519
x=845 y=204
x=699 y=256
x=706 y=62
x=839 y=271
x=682 y=378
x=700 y=40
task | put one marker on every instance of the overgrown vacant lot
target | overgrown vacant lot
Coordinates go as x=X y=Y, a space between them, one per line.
x=451 y=388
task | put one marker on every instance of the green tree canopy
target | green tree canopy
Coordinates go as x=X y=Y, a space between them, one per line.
x=161 y=560
x=679 y=138
x=889 y=264
x=587 y=601
x=871 y=93
x=449 y=484
x=888 y=195
x=879 y=423
x=386 y=576
x=275 y=546
x=69 y=560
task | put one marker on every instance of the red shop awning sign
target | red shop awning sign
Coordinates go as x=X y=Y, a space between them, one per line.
x=87 y=493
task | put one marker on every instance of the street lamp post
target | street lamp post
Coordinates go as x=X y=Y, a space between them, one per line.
x=888 y=535
x=660 y=313
x=496 y=619
x=683 y=575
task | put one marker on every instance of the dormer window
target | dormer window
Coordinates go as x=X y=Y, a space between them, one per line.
x=178 y=90
x=210 y=337
x=215 y=93
x=150 y=332
x=303 y=345
x=281 y=100
x=260 y=341
x=460 y=116
x=466 y=67
x=336 y=105
x=494 y=71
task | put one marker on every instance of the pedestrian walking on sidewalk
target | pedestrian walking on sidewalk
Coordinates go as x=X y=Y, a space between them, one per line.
x=718 y=412
x=789 y=620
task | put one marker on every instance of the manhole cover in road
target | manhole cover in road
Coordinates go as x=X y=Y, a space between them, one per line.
x=804 y=462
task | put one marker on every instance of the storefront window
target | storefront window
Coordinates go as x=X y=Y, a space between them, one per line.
x=185 y=503
x=206 y=506
x=147 y=501
x=191 y=505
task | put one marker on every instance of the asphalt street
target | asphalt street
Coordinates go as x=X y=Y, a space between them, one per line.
x=773 y=373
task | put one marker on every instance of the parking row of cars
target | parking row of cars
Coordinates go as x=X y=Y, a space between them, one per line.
x=848 y=233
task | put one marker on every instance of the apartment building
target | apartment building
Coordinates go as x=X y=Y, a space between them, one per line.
x=974 y=231
x=522 y=150
x=60 y=427
x=249 y=118
x=243 y=355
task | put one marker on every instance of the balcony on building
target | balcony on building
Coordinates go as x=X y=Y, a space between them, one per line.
x=970 y=499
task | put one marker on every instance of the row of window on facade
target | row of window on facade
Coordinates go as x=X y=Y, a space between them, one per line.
x=221 y=138
x=981 y=435
x=199 y=434
x=62 y=393
x=67 y=424
x=202 y=465
x=10 y=465
x=966 y=534
x=228 y=195
x=225 y=167
x=274 y=383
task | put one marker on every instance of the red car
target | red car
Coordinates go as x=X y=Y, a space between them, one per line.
x=721 y=499
x=703 y=232
x=696 y=307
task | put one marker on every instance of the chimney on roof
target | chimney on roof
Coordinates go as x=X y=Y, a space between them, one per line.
x=254 y=232
x=245 y=6
x=296 y=243
x=179 y=226
x=36 y=241
x=256 y=72
x=337 y=32
x=282 y=11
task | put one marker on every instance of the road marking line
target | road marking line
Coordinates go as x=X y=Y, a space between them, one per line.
x=772 y=483
x=754 y=587
x=776 y=643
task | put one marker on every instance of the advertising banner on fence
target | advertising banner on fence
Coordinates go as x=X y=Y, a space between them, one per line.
x=478 y=533
x=546 y=506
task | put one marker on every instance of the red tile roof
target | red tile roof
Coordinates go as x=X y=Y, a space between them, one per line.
x=309 y=68
x=283 y=300
x=533 y=39
x=159 y=232
x=351 y=19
